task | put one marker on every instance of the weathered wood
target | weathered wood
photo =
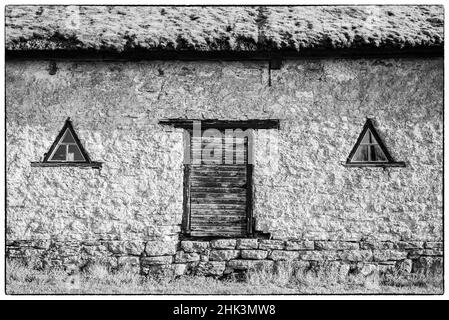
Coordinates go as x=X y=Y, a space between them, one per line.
x=226 y=234
x=249 y=199
x=186 y=200
x=228 y=196
x=217 y=201
x=222 y=124
x=224 y=137
x=218 y=160
x=218 y=213
x=225 y=176
x=223 y=159
x=213 y=174
x=201 y=144
x=225 y=153
x=230 y=184
x=186 y=142
x=219 y=228
x=219 y=167
x=208 y=153
x=372 y=164
x=223 y=220
x=94 y=165
x=220 y=145
x=217 y=190
x=223 y=194
x=219 y=206
x=206 y=209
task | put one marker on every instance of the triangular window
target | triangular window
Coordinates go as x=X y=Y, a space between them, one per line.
x=370 y=150
x=67 y=150
x=67 y=147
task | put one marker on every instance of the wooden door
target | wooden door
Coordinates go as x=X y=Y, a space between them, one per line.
x=218 y=191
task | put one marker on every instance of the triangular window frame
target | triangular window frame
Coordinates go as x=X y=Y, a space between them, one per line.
x=47 y=160
x=389 y=159
x=58 y=141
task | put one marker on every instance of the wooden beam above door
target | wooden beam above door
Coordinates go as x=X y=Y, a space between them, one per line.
x=223 y=124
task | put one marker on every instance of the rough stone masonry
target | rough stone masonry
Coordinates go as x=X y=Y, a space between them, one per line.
x=318 y=213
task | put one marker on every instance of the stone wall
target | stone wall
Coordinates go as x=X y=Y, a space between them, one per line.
x=221 y=257
x=301 y=190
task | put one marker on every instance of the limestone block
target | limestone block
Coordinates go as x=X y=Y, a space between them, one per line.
x=116 y=247
x=135 y=248
x=414 y=254
x=223 y=244
x=159 y=248
x=223 y=255
x=66 y=249
x=93 y=251
x=356 y=255
x=146 y=261
x=271 y=244
x=318 y=255
x=433 y=245
x=12 y=252
x=379 y=245
x=299 y=245
x=385 y=255
x=336 y=245
x=249 y=264
x=183 y=257
x=194 y=246
x=254 y=254
x=407 y=245
x=247 y=243
x=283 y=255
x=41 y=244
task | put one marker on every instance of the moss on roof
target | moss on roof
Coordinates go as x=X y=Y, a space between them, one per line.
x=240 y=28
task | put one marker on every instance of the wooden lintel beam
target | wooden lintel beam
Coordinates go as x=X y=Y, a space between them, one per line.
x=223 y=124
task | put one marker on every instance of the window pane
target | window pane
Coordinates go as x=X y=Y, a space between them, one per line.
x=377 y=154
x=74 y=154
x=361 y=153
x=59 y=155
x=366 y=137
x=68 y=138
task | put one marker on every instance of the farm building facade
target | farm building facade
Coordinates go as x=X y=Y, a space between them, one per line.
x=210 y=140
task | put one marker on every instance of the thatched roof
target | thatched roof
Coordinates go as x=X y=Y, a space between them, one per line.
x=227 y=28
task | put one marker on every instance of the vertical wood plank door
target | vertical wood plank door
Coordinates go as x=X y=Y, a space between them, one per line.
x=218 y=187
